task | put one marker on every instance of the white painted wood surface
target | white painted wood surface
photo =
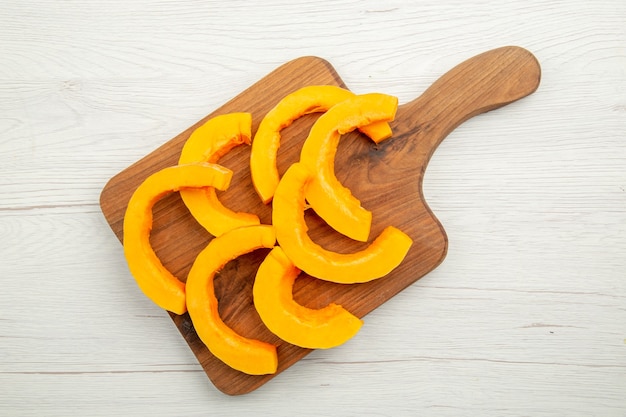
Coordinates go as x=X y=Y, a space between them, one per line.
x=525 y=317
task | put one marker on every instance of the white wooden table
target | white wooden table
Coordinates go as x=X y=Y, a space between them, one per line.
x=525 y=317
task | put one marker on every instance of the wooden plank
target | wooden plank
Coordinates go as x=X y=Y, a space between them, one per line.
x=387 y=178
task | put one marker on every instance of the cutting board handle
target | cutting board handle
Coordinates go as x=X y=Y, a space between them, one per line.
x=482 y=83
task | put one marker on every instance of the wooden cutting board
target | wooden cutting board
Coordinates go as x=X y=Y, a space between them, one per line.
x=387 y=178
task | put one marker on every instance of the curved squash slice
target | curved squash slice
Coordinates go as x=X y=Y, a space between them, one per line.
x=251 y=356
x=153 y=278
x=301 y=326
x=384 y=254
x=309 y=99
x=209 y=143
x=329 y=198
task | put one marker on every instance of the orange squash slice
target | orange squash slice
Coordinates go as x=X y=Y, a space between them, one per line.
x=301 y=326
x=329 y=198
x=384 y=254
x=251 y=356
x=153 y=278
x=209 y=143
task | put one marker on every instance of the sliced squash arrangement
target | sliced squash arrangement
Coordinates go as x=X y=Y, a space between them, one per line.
x=292 y=252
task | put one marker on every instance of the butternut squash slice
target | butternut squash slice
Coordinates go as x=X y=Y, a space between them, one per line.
x=309 y=99
x=301 y=326
x=153 y=278
x=251 y=356
x=209 y=143
x=384 y=254
x=329 y=198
